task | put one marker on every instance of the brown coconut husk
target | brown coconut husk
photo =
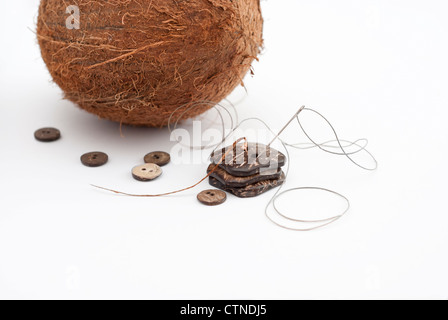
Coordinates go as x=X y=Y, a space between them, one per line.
x=136 y=62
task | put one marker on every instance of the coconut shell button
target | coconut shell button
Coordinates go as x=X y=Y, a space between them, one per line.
x=212 y=197
x=243 y=162
x=146 y=172
x=47 y=134
x=252 y=190
x=159 y=158
x=239 y=182
x=94 y=159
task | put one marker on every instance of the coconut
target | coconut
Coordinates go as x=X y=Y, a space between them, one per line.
x=137 y=61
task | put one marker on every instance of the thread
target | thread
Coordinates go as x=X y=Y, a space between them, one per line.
x=341 y=144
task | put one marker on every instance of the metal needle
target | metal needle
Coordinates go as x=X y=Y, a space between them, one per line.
x=284 y=128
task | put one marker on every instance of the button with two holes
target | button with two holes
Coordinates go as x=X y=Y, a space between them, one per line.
x=47 y=135
x=146 y=172
x=94 y=159
x=159 y=158
x=212 y=197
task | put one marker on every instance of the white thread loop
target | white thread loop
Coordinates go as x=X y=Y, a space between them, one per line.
x=325 y=145
x=360 y=146
x=331 y=146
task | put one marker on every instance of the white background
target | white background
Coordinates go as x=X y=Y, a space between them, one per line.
x=376 y=69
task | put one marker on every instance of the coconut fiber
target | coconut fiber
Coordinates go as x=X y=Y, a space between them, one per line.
x=137 y=61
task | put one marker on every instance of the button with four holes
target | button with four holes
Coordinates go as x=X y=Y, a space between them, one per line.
x=94 y=159
x=47 y=134
x=159 y=158
x=212 y=197
x=146 y=172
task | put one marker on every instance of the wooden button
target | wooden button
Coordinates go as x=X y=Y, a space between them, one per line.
x=243 y=163
x=251 y=190
x=238 y=182
x=47 y=134
x=159 y=158
x=212 y=197
x=146 y=172
x=94 y=159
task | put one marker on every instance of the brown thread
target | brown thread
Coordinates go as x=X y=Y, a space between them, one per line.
x=279 y=192
x=181 y=190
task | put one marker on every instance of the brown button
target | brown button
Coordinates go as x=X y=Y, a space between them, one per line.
x=146 y=172
x=252 y=190
x=159 y=158
x=47 y=134
x=94 y=159
x=239 y=182
x=242 y=162
x=212 y=197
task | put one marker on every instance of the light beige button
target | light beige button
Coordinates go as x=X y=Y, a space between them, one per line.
x=146 y=172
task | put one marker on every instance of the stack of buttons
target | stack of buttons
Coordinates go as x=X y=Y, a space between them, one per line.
x=247 y=170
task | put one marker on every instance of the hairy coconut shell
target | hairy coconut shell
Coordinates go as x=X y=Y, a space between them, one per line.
x=137 y=61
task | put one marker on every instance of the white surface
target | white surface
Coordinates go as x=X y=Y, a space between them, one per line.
x=376 y=69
